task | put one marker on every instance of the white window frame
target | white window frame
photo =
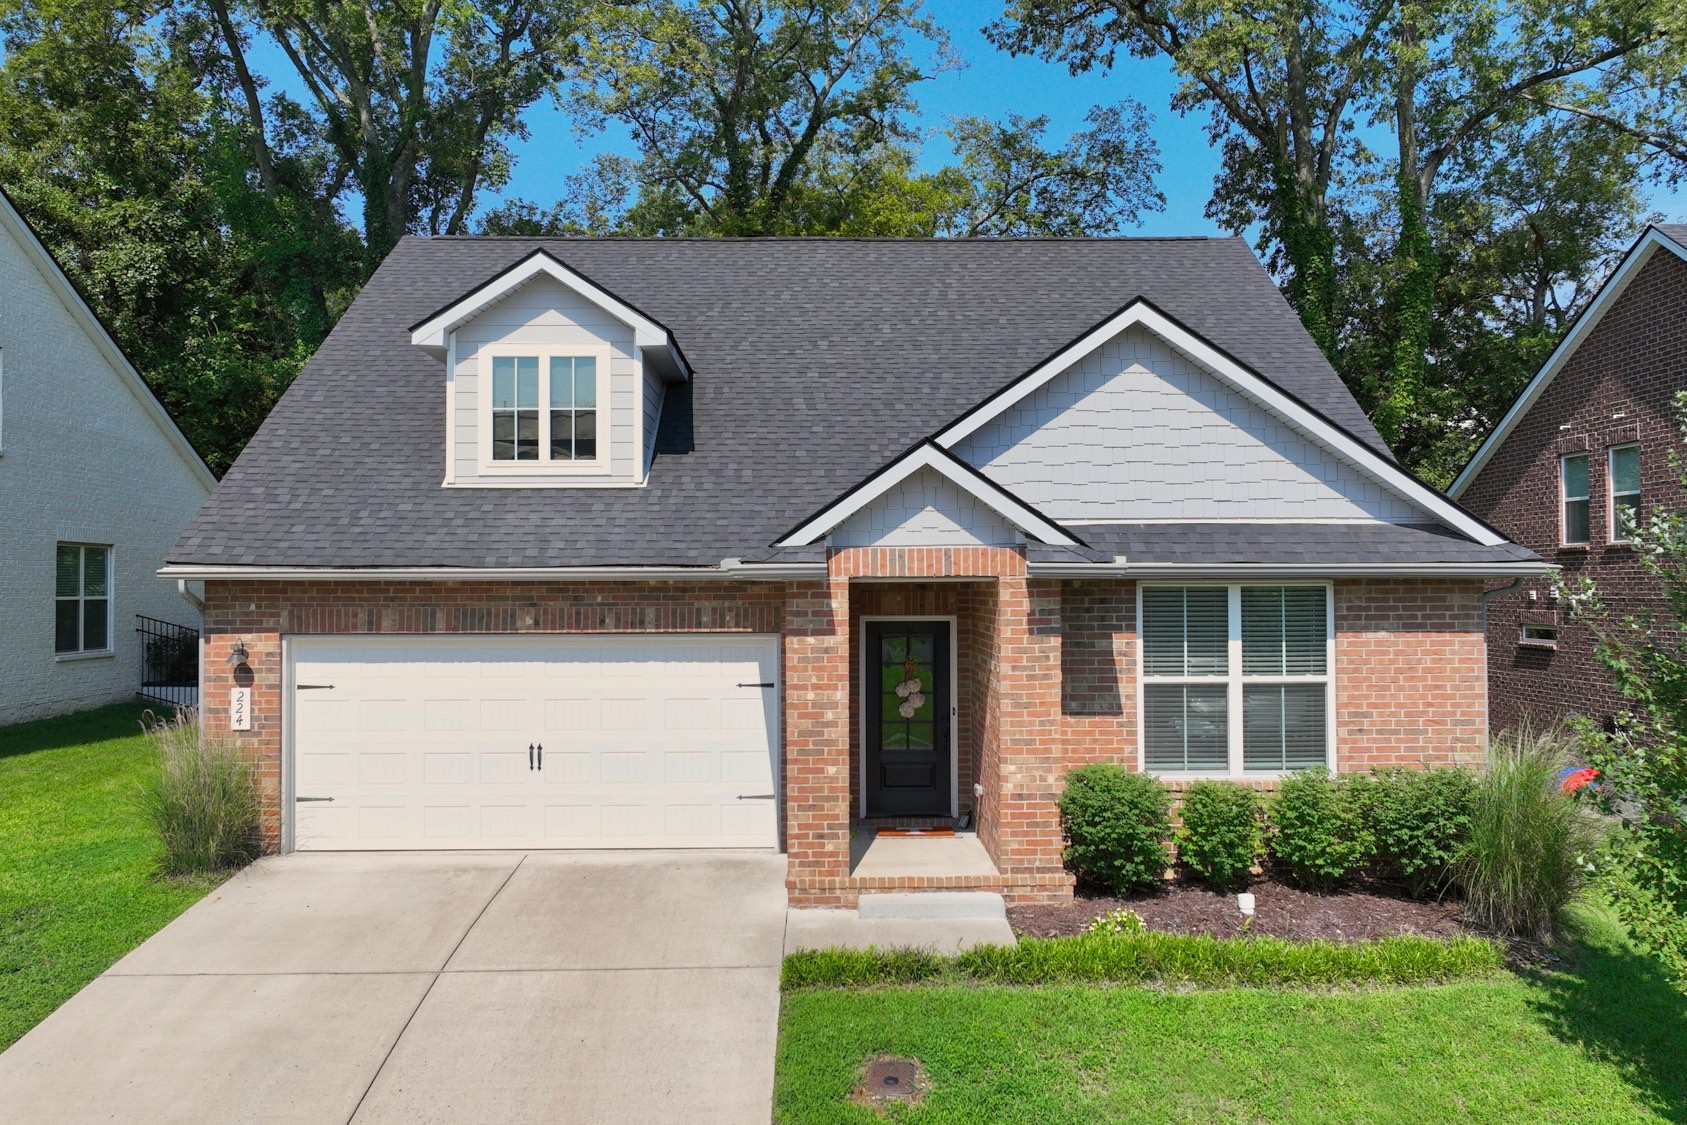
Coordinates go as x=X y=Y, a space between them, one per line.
x=598 y=465
x=1538 y=641
x=1235 y=681
x=1614 y=532
x=110 y=648
x=1564 y=499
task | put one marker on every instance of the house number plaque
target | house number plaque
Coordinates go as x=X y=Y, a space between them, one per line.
x=240 y=708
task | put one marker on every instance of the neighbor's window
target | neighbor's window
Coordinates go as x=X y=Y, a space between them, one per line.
x=564 y=428
x=1236 y=679
x=1543 y=635
x=1625 y=491
x=1572 y=472
x=82 y=601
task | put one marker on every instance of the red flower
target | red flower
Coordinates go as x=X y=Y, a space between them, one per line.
x=1575 y=779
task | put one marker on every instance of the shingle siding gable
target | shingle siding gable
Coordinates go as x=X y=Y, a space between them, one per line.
x=1136 y=430
x=926 y=510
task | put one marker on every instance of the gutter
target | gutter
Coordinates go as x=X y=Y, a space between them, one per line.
x=729 y=569
x=1120 y=569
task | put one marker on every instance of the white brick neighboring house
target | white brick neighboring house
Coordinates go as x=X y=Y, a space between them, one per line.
x=88 y=457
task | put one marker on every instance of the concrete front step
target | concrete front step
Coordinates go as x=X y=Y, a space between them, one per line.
x=934 y=905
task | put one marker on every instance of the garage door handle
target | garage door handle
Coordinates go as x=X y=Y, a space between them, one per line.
x=768 y=684
x=541 y=757
x=756 y=796
x=529 y=755
x=313 y=798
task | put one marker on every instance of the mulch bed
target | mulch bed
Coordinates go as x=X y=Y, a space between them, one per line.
x=1352 y=914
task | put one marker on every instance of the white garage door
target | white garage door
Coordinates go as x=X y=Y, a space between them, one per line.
x=650 y=741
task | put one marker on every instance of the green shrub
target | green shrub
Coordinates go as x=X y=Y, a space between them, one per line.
x=1221 y=837
x=1317 y=833
x=203 y=801
x=1531 y=846
x=1116 y=824
x=1117 y=922
x=1647 y=893
x=1416 y=821
x=1147 y=957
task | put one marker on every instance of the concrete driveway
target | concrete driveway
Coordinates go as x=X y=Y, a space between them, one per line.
x=442 y=987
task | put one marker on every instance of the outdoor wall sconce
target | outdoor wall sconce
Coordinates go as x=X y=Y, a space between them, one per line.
x=238 y=655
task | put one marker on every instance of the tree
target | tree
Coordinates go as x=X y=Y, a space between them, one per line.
x=1643 y=761
x=123 y=151
x=418 y=98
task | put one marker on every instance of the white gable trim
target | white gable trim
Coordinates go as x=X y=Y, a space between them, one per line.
x=1285 y=406
x=1613 y=288
x=71 y=298
x=962 y=476
x=434 y=331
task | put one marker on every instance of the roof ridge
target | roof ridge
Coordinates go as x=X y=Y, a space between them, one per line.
x=978 y=240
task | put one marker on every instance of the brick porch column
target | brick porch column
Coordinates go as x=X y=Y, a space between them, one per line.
x=816 y=758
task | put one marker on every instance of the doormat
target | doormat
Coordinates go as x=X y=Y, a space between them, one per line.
x=916 y=832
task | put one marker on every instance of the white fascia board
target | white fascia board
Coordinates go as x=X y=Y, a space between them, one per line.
x=1357 y=453
x=1613 y=288
x=780 y=572
x=1250 y=571
x=432 y=332
x=926 y=456
x=71 y=298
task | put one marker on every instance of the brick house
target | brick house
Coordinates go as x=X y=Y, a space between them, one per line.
x=1588 y=438
x=775 y=543
x=96 y=482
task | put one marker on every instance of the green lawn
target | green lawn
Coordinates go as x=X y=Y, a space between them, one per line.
x=77 y=859
x=1603 y=1041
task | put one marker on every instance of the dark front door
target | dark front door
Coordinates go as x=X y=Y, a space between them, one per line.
x=906 y=741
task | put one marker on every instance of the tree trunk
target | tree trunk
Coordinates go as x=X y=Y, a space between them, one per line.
x=1414 y=256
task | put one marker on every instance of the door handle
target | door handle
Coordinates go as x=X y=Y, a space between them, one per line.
x=529 y=755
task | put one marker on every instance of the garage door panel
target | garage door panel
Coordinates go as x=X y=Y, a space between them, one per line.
x=423 y=742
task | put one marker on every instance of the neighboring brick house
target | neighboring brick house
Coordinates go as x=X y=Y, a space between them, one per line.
x=1589 y=436
x=96 y=482
x=775 y=543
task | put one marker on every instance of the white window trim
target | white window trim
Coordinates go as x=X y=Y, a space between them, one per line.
x=598 y=466
x=1235 y=682
x=1564 y=499
x=1537 y=642
x=110 y=648
x=1613 y=531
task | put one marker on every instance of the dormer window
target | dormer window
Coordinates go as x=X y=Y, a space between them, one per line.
x=543 y=409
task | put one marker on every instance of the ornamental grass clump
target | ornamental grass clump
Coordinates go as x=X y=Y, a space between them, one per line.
x=1531 y=844
x=1417 y=822
x=203 y=801
x=1316 y=830
x=1117 y=823
x=1222 y=836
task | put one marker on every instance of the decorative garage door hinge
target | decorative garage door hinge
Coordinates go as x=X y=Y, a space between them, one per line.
x=313 y=798
x=756 y=685
x=314 y=687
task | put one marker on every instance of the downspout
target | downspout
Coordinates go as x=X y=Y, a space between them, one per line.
x=190 y=597
x=1490 y=595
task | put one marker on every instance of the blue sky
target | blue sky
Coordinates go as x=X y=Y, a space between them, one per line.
x=991 y=84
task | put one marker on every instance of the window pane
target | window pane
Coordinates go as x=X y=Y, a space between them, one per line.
x=1282 y=726
x=1186 y=632
x=562 y=381
x=1625 y=469
x=94 y=625
x=67 y=627
x=68 y=583
x=527 y=381
x=1262 y=630
x=585 y=381
x=562 y=435
x=1575 y=521
x=1625 y=511
x=1185 y=727
x=94 y=571
x=503 y=436
x=585 y=434
x=503 y=382
x=527 y=435
x=1305 y=627
x=1575 y=477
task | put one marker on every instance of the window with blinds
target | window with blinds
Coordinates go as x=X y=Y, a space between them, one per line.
x=1236 y=679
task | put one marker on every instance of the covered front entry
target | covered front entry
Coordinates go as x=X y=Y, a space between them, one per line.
x=908 y=730
x=533 y=741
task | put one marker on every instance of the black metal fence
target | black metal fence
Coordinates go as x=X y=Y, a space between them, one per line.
x=169 y=662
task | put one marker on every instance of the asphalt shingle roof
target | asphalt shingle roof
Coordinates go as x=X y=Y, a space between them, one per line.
x=1289 y=544
x=815 y=362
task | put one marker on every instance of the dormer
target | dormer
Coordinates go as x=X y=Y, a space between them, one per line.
x=551 y=381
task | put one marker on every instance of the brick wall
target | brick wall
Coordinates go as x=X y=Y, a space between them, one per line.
x=1631 y=364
